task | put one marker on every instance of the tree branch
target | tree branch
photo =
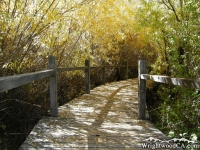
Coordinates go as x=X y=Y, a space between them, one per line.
x=173 y=9
x=164 y=2
x=170 y=6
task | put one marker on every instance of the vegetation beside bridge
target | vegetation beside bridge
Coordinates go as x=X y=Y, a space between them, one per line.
x=165 y=33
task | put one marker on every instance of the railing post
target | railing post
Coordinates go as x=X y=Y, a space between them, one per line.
x=53 y=88
x=87 y=77
x=142 y=68
x=103 y=72
x=126 y=76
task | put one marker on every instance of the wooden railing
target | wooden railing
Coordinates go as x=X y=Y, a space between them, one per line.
x=10 y=82
x=142 y=77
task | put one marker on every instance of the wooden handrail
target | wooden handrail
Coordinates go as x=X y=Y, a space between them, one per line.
x=59 y=69
x=142 y=77
x=10 y=82
x=189 y=83
x=71 y=69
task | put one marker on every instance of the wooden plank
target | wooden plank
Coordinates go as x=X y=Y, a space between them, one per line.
x=92 y=67
x=76 y=128
x=53 y=88
x=114 y=66
x=189 y=83
x=71 y=69
x=10 y=82
x=106 y=66
x=96 y=67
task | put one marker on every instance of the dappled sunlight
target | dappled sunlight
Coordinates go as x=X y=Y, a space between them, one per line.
x=120 y=126
x=107 y=118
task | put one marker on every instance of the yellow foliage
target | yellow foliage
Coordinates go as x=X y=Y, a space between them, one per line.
x=66 y=29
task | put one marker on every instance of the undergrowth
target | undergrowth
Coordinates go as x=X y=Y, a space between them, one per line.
x=175 y=110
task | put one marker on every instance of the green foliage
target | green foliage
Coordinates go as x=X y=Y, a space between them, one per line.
x=179 y=109
x=174 y=28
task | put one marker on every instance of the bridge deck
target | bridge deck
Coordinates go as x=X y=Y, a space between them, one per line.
x=105 y=119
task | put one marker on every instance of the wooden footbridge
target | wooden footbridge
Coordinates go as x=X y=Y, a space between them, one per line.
x=111 y=116
x=105 y=119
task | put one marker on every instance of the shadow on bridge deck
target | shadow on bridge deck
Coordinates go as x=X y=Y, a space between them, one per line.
x=105 y=119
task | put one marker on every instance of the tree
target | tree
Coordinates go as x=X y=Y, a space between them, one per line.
x=174 y=29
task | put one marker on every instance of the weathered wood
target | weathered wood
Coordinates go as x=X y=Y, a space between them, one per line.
x=116 y=66
x=126 y=75
x=53 y=88
x=103 y=73
x=87 y=77
x=189 y=83
x=107 y=66
x=96 y=67
x=95 y=122
x=10 y=82
x=142 y=68
x=71 y=69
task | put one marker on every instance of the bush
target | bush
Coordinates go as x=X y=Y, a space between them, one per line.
x=175 y=109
